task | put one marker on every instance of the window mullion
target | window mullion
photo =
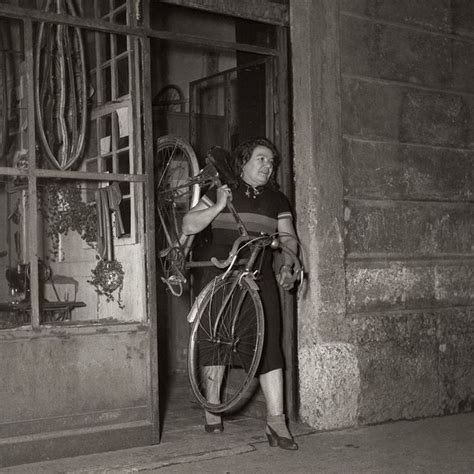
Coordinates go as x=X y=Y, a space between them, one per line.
x=32 y=222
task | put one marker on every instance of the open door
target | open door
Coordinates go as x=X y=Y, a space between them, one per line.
x=232 y=106
x=226 y=109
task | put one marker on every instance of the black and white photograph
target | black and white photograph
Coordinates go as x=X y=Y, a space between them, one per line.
x=237 y=236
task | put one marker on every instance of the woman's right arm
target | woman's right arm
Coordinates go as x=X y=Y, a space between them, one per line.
x=201 y=215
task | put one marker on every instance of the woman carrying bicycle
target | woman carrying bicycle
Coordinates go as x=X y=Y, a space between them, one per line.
x=262 y=208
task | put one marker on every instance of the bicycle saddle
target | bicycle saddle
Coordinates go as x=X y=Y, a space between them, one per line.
x=221 y=160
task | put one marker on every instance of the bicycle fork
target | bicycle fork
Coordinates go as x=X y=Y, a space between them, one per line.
x=231 y=339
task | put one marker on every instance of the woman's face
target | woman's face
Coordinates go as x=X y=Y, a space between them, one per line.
x=259 y=167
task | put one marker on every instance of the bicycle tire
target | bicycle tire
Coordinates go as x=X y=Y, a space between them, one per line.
x=176 y=163
x=236 y=353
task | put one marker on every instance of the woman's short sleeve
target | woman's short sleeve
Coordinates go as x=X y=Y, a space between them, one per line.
x=284 y=208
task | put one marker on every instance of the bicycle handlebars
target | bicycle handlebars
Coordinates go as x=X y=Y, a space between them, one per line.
x=266 y=241
x=298 y=271
x=232 y=254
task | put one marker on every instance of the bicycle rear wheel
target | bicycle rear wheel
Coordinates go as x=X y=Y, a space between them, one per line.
x=226 y=343
x=176 y=164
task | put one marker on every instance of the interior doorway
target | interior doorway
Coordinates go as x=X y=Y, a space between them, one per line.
x=207 y=94
x=231 y=106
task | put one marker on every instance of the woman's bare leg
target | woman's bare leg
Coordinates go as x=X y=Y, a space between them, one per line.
x=212 y=376
x=272 y=387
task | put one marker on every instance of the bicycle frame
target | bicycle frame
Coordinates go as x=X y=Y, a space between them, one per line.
x=204 y=178
x=250 y=277
x=228 y=322
x=257 y=244
x=174 y=256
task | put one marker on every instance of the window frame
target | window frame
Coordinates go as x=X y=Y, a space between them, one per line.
x=137 y=28
x=136 y=178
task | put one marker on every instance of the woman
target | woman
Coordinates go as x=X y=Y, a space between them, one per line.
x=262 y=208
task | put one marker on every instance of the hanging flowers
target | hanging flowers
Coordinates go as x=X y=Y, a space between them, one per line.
x=62 y=206
x=64 y=209
x=107 y=278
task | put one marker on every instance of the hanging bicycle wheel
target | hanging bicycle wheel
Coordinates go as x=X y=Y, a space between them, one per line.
x=170 y=98
x=226 y=343
x=176 y=163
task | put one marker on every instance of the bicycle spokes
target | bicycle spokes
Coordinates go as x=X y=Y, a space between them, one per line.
x=227 y=333
x=176 y=192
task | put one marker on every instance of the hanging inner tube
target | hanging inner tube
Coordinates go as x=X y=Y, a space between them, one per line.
x=61 y=89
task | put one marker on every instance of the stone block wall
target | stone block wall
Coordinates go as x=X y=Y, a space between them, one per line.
x=407 y=131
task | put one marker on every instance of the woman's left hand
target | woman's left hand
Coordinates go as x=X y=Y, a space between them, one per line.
x=284 y=278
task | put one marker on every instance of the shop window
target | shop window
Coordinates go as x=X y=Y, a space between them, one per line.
x=75 y=199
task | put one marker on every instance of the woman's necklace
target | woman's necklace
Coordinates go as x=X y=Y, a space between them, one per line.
x=251 y=191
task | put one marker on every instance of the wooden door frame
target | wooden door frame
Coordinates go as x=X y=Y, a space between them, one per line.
x=277 y=15
x=280 y=123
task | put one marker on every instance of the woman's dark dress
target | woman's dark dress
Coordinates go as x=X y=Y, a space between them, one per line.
x=260 y=213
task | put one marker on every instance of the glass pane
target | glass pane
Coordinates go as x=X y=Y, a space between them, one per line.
x=231 y=107
x=72 y=99
x=66 y=89
x=121 y=44
x=124 y=163
x=125 y=188
x=255 y=33
x=210 y=114
x=106 y=84
x=125 y=211
x=84 y=8
x=108 y=165
x=90 y=41
x=123 y=84
x=90 y=189
x=87 y=273
x=104 y=7
x=91 y=166
x=14 y=282
x=12 y=87
x=120 y=17
x=122 y=130
x=105 y=135
x=119 y=3
x=92 y=147
x=102 y=51
x=92 y=96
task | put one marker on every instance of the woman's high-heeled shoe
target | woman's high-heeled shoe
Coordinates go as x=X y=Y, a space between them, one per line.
x=214 y=428
x=274 y=440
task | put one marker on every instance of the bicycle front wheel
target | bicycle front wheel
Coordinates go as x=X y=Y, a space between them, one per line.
x=176 y=164
x=226 y=343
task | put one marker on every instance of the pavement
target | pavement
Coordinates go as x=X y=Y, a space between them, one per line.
x=432 y=445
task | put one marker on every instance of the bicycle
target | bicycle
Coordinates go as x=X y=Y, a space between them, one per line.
x=178 y=186
x=227 y=333
x=179 y=181
x=226 y=340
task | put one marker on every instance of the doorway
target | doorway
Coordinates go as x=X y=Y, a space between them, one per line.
x=208 y=94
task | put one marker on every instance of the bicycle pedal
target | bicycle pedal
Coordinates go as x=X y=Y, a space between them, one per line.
x=175 y=287
x=164 y=252
x=175 y=280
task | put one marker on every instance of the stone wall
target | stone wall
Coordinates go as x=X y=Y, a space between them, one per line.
x=391 y=81
x=408 y=140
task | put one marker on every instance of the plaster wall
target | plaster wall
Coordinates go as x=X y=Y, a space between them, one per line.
x=385 y=142
x=3 y=248
x=181 y=64
x=68 y=383
x=75 y=267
